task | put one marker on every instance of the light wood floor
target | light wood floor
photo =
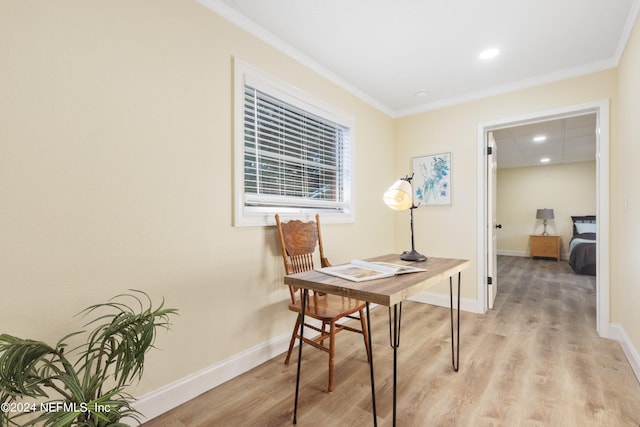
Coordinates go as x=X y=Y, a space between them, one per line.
x=535 y=360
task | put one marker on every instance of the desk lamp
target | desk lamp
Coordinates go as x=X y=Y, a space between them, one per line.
x=544 y=215
x=399 y=197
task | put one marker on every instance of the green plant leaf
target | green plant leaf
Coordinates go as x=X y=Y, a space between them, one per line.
x=93 y=374
x=21 y=363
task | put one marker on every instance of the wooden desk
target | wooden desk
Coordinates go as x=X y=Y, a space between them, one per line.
x=389 y=292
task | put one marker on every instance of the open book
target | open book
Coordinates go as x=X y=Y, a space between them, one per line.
x=359 y=271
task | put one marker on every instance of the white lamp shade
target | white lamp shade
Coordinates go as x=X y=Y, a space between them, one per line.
x=399 y=196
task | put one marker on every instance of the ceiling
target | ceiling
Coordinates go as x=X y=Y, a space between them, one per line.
x=387 y=51
x=409 y=56
x=566 y=140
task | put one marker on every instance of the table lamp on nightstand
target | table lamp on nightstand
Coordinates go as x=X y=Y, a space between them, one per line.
x=544 y=215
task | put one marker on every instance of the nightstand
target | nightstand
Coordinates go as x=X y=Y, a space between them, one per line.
x=544 y=246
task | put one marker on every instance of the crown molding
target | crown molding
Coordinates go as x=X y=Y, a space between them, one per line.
x=626 y=31
x=227 y=12
x=262 y=34
x=511 y=87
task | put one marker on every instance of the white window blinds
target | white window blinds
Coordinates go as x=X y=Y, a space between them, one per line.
x=292 y=158
x=291 y=153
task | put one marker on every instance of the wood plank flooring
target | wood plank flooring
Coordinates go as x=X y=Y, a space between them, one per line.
x=535 y=360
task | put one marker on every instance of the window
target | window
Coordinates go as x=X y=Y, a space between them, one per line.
x=292 y=153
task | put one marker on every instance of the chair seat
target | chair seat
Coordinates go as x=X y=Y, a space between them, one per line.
x=328 y=306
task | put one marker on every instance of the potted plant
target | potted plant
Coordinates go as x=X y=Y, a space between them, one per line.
x=84 y=385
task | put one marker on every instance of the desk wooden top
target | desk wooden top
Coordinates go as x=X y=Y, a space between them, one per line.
x=386 y=291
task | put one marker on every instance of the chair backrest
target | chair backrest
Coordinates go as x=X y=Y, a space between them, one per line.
x=298 y=242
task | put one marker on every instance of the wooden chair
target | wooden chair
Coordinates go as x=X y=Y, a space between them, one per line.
x=298 y=241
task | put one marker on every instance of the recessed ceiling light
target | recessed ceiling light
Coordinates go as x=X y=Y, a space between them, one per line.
x=540 y=138
x=420 y=93
x=489 y=53
x=545 y=160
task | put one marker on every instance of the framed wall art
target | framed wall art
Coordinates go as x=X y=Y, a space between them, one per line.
x=432 y=180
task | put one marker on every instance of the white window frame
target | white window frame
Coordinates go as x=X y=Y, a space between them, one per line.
x=246 y=214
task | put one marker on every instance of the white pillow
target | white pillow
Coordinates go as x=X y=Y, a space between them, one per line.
x=585 y=227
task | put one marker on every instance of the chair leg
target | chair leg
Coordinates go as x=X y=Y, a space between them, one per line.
x=323 y=334
x=293 y=340
x=364 y=325
x=332 y=346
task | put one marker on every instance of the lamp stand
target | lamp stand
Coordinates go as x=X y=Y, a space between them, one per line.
x=412 y=255
x=544 y=233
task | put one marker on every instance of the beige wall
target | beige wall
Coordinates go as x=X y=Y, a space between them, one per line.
x=625 y=194
x=568 y=189
x=452 y=230
x=116 y=169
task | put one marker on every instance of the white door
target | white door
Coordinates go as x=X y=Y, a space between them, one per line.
x=492 y=251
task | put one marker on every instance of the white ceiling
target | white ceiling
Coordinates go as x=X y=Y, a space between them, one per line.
x=567 y=140
x=384 y=51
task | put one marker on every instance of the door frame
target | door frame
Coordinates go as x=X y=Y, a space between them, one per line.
x=601 y=108
x=492 y=223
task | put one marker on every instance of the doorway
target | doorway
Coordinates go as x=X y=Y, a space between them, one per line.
x=601 y=109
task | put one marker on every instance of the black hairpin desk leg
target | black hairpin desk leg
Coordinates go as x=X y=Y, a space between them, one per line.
x=394 y=342
x=455 y=351
x=373 y=387
x=305 y=293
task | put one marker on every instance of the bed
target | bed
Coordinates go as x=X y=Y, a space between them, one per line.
x=582 y=247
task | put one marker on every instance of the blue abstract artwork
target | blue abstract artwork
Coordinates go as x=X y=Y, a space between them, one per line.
x=432 y=180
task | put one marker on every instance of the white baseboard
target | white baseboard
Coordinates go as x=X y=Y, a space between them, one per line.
x=525 y=254
x=175 y=394
x=155 y=403
x=522 y=254
x=441 y=300
x=617 y=332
